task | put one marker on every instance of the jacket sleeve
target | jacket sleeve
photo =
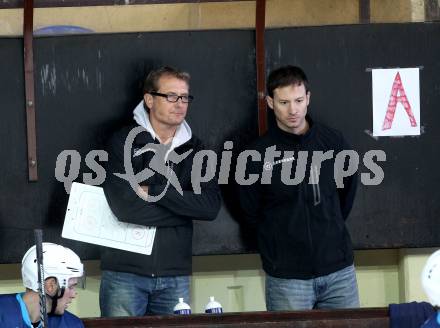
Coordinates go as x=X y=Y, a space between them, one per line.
x=348 y=192
x=203 y=206
x=125 y=204
x=200 y=206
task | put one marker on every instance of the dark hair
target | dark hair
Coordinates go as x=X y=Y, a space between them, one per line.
x=152 y=79
x=285 y=76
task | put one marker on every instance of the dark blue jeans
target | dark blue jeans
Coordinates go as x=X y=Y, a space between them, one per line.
x=127 y=294
x=334 y=291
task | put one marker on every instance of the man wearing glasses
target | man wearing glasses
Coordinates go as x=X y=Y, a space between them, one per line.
x=134 y=284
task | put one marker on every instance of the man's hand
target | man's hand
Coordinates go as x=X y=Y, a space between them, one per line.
x=143 y=192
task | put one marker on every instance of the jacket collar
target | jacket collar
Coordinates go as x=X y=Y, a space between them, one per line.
x=290 y=138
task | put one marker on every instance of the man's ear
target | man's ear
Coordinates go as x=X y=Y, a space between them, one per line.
x=148 y=100
x=269 y=101
x=51 y=286
x=308 y=97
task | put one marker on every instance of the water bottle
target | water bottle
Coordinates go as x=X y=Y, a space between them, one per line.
x=213 y=306
x=182 y=307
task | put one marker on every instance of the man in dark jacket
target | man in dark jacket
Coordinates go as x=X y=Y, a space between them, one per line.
x=299 y=207
x=160 y=194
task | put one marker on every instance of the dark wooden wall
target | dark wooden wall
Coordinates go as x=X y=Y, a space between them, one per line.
x=87 y=85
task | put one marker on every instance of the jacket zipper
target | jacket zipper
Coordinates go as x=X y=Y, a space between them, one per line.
x=315 y=185
x=155 y=269
x=307 y=216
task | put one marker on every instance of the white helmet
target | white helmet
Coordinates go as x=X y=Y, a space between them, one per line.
x=58 y=261
x=431 y=278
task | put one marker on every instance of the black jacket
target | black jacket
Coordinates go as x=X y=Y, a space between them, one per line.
x=172 y=214
x=300 y=228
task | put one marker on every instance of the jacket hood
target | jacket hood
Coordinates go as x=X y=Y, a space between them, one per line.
x=183 y=133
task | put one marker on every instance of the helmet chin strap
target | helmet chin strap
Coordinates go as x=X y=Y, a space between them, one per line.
x=55 y=299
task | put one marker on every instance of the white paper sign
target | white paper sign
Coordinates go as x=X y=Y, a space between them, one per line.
x=90 y=219
x=396 y=102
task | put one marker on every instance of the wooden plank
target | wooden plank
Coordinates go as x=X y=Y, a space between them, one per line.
x=353 y=318
x=260 y=21
x=84 y=3
x=29 y=90
x=364 y=11
x=432 y=10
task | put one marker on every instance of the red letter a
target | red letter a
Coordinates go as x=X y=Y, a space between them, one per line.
x=394 y=99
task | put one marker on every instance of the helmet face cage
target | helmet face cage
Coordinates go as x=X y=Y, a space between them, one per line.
x=431 y=278
x=58 y=262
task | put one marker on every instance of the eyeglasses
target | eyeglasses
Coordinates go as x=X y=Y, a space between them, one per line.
x=173 y=98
